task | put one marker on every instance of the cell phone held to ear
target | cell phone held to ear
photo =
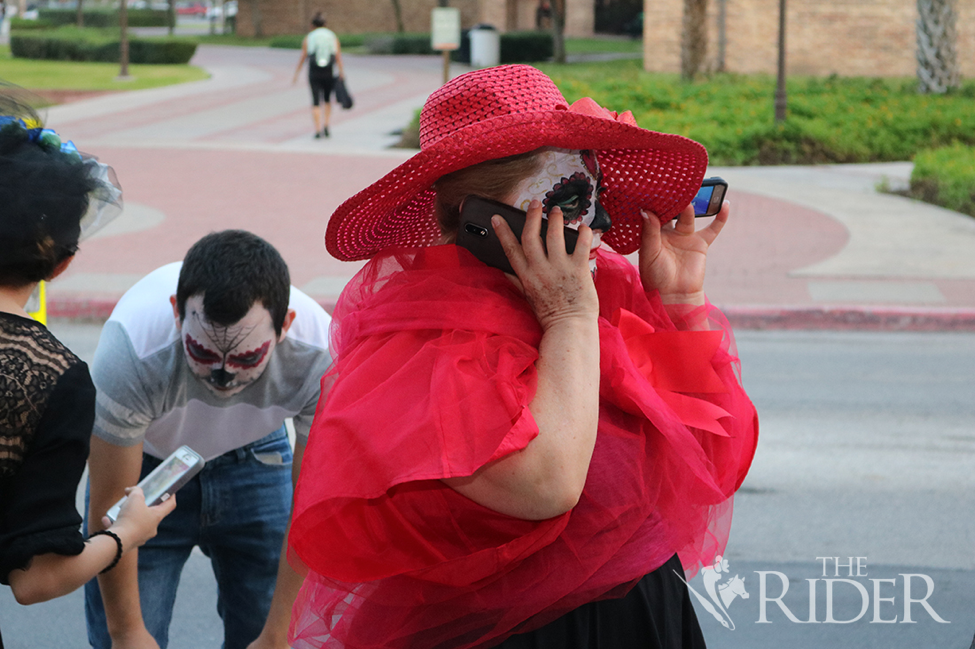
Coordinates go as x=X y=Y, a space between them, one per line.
x=174 y=472
x=477 y=234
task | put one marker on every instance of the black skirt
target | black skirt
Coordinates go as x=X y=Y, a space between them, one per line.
x=655 y=614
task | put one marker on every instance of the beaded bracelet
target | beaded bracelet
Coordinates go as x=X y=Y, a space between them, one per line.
x=118 y=551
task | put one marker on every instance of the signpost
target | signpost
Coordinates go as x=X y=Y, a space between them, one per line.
x=445 y=34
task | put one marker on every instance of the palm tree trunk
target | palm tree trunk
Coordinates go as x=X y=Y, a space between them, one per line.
x=937 y=54
x=694 y=38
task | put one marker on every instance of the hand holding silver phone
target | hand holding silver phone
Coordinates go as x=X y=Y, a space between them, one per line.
x=174 y=472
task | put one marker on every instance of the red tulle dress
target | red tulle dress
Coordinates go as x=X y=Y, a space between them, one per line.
x=434 y=372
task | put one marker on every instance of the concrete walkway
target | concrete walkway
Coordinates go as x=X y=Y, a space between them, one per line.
x=807 y=247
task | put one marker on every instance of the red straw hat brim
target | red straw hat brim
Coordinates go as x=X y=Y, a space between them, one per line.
x=642 y=170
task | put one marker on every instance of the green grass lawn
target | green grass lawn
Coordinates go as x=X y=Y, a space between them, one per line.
x=831 y=119
x=613 y=45
x=70 y=75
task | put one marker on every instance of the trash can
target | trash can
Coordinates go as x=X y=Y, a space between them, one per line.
x=485 y=46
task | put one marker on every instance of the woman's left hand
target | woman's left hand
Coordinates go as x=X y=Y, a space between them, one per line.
x=673 y=256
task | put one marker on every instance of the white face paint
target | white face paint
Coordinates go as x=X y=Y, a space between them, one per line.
x=227 y=358
x=570 y=180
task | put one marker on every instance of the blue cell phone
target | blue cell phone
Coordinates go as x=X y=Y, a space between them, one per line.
x=710 y=197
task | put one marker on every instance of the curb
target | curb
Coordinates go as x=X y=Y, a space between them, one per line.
x=811 y=318
x=851 y=318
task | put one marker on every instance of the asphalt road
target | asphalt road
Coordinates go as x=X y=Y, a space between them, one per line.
x=867 y=451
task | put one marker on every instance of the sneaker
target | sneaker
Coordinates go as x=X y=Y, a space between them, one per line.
x=317 y=135
x=325 y=131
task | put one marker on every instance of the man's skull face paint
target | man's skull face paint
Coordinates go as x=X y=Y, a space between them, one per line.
x=570 y=180
x=227 y=358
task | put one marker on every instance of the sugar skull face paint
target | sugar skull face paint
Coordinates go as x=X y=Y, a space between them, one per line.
x=227 y=358
x=570 y=180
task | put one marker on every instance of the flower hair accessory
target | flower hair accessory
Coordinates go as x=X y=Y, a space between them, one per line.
x=105 y=201
x=504 y=111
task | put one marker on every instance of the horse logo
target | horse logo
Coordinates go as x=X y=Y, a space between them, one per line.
x=721 y=594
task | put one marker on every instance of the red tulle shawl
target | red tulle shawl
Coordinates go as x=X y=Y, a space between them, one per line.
x=434 y=371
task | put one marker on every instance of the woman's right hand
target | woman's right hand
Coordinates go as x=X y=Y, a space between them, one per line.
x=557 y=285
x=137 y=522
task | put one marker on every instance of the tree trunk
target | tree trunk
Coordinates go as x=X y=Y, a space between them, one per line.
x=694 y=38
x=398 y=12
x=171 y=16
x=80 y=16
x=558 y=30
x=937 y=54
x=123 y=24
x=257 y=20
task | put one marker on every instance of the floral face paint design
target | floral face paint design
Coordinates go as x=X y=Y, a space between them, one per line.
x=570 y=180
x=227 y=358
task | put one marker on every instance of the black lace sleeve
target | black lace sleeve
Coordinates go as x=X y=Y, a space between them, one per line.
x=37 y=503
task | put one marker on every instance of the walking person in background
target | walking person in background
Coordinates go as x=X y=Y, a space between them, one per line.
x=322 y=49
x=50 y=196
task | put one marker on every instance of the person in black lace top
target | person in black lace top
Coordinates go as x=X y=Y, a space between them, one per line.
x=49 y=193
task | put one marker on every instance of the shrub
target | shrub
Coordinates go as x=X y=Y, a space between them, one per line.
x=515 y=47
x=946 y=177
x=526 y=47
x=72 y=44
x=288 y=41
x=398 y=44
x=106 y=18
x=829 y=119
x=22 y=24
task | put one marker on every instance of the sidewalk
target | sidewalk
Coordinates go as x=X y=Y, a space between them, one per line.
x=807 y=247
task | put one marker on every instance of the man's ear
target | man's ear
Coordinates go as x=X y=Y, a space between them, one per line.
x=289 y=318
x=61 y=267
x=179 y=325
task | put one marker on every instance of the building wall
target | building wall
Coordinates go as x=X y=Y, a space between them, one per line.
x=345 y=16
x=363 y=16
x=823 y=37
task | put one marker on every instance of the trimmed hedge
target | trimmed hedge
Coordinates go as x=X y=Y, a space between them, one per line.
x=399 y=44
x=288 y=41
x=293 y=41
x=946 y=177
x=515 y=47
x=526 y=47
x=106 y=18
x=24 y=25
x=73 y=45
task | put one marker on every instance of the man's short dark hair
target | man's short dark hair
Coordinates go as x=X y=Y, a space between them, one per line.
x=318 y=20
x=233 y=270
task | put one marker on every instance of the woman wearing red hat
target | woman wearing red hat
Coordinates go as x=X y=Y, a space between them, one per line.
x=522 y=460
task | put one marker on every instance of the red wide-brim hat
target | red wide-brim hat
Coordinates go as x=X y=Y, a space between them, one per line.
x=508 y=110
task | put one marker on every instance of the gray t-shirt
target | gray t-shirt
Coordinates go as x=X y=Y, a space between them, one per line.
x=146 y=392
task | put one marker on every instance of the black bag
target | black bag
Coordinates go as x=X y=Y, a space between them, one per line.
x=342 y=94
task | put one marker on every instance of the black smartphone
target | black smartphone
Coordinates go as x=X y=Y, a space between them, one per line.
x=710 y=197
x=477 y=234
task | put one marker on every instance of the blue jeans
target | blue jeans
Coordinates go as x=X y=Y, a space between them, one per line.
x=236 y=510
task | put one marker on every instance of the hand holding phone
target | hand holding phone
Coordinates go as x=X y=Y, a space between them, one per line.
x=477 y=234
x=174 y=472
x=710 y=197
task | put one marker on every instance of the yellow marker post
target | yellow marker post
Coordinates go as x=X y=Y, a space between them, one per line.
x=37 y=303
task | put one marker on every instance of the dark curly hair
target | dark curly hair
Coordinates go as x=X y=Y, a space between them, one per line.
x=43 y=196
